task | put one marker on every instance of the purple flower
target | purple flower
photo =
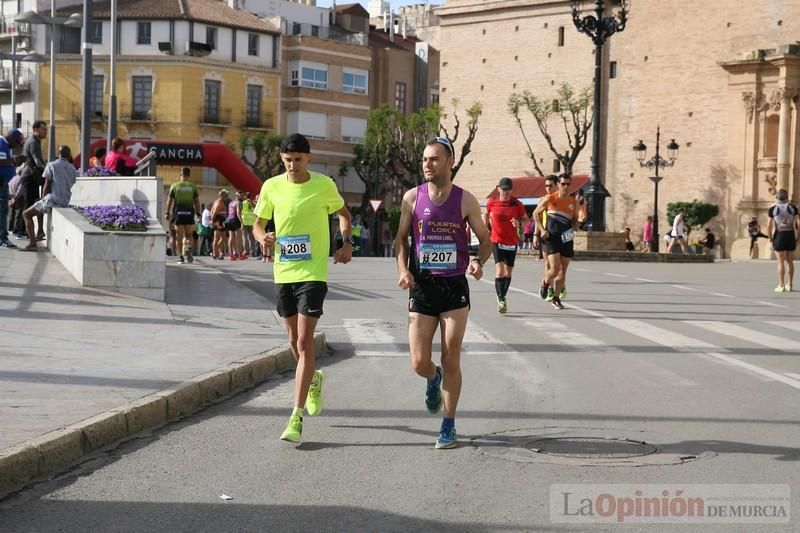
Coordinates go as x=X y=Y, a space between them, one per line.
x=102 y=172
x=116 y=217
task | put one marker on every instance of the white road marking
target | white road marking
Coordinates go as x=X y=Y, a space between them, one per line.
x=793 y=375
x=657 y=335
x=794 y=326
x=770 y=304
x=565 y=335
x=721 y=295
x=364 y=331
x=614 y=275
x=647 y=280
x=683 y=287
x=756 y=369
x=745 y=334
x=581 y=269
x=668 y=338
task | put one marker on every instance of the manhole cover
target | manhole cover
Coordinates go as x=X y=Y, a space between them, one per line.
x=583 y=446
x=591 y=447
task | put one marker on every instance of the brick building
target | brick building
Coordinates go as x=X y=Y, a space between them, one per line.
x=716 y=76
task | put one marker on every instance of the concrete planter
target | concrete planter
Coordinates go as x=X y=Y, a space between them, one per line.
x=131 y=262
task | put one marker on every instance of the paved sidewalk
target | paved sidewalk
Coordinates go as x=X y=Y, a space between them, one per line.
x=69 y=353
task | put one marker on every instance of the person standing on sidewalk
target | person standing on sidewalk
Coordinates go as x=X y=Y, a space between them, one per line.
x=206 y=231
x=8 y=169
x=784 y=228
x=234 y=227
x=248 y=219
x=32 y=179
x=436 y=214
x=300 y=202
x=647 y=235
x=219 y=210
x=504 y=214
x=182 y=204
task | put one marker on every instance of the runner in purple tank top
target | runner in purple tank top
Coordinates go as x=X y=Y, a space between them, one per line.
x=436 y=214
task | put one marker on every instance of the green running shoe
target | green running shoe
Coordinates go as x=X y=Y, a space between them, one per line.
x=294 y=429
x=550 y=295
x=502 y=307
x=314 y=399
x=447 y=439
x=562 y=294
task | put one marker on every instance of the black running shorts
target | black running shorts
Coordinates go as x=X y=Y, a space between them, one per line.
x=504 y=253
x=556 y=245
x=305 y=298
x=184 y=218
x=785 y=241
x=233 y=224
x=434 y=295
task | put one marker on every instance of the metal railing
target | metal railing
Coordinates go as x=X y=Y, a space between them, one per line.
x=9 y=26
x=264 y=120
x=128 y=114
x=25 y=78
x=330 y=33
x=216 y=117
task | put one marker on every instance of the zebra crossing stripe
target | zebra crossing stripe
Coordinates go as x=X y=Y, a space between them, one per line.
x=742 y=333
x=657 y=335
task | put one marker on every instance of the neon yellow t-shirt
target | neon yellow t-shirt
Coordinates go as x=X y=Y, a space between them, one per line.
x=300 y=211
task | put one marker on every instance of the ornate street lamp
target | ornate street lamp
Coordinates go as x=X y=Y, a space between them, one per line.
x=656 y=162
x=599 y=28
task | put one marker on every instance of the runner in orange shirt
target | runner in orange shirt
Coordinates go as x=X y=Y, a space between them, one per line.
x=563 y=216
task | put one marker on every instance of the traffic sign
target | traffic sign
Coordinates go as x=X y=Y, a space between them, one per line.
x=376 y=204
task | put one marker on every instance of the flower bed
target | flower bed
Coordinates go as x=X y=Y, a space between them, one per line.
x=116 y=217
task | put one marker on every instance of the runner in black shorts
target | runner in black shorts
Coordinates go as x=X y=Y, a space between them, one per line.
x=505 y=215
x=563 y=216
x=784 y=228
x=436 y=214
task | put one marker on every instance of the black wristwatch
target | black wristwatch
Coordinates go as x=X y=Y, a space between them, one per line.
x=350 y=240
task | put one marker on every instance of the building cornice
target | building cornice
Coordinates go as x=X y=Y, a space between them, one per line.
x=171 y=60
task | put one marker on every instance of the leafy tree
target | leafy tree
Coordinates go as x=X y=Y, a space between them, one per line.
x=698 y=213
x=265 y=153
x=393 y=216
x=573 y=112
x=394 y=143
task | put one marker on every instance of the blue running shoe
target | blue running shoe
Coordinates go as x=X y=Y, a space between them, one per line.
x=447 y=439
x=433 y=394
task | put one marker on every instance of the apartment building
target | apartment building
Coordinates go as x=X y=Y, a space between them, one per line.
x=190 y=71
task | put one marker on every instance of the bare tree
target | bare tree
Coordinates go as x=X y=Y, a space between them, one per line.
x=574 y=115
x=262 y=154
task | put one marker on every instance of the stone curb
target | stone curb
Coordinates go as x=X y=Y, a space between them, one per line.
x=57 y=450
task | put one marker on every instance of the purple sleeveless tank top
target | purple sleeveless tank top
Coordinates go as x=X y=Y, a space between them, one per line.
x=440 y=234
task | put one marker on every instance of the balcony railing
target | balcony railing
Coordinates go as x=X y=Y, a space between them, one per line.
x=9 y=26
x=127 y=114
x=329 y=32
x=95 y=116
x=264 y=121
x=215 y=117
x=24 y=78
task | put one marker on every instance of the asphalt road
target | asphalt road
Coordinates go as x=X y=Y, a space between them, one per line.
x=669 y=377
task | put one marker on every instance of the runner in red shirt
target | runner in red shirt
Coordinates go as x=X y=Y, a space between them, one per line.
x=505 y=215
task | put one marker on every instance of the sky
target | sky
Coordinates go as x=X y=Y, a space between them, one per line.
x=395 y=3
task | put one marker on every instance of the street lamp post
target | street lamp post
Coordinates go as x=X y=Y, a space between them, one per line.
x=74 y=20
x=656 y=162
x=14 y=57
x=599 y=28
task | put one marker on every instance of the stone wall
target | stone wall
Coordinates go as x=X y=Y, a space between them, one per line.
x=668 y=73
x=130 y=262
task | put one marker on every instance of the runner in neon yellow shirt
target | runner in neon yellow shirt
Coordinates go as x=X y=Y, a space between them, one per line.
x=300 y=203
